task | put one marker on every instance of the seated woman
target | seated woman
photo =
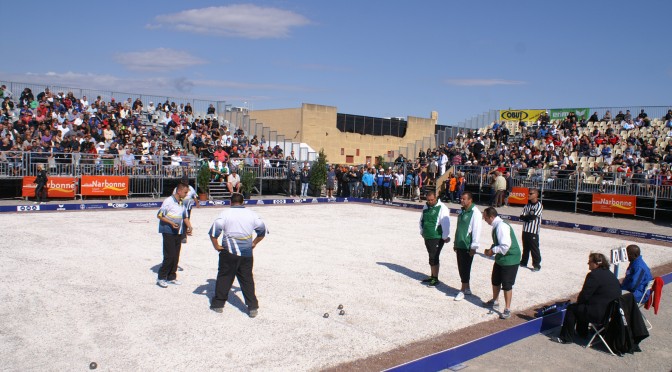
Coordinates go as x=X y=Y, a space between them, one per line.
x=599 y=289
x=638 y=274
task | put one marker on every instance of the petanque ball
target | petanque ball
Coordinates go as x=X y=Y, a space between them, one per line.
x=340 y=307
x=326 y=315
x=342 y=312
x=93 y=365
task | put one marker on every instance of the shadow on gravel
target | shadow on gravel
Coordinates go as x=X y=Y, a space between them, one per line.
x=208 y=290
x=442 y=287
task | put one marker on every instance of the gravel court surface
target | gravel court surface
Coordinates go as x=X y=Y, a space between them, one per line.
x=80 y=287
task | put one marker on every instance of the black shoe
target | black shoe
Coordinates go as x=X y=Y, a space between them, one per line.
x=218 y=310
x=429 y=279
x=559 y=340
x=434 y=282
x=523 y=265
x=536 y=268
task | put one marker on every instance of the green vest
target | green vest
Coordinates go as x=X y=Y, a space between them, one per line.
x=462 y=236
x=430 y=218
x=512 y=257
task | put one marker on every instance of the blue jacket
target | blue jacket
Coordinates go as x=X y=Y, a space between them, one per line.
x=367 y=179
x=636 y=279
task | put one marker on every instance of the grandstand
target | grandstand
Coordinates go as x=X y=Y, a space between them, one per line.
x=77 y=132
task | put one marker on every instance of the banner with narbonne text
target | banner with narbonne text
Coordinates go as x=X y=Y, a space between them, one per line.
x=519 y=195
x=561 y=114
x=614 y=203
x=520 y=115
x=105 y=185
x=57 y=187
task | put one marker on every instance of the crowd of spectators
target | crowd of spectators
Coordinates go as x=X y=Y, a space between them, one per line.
x=59 y=128
x=63 y=128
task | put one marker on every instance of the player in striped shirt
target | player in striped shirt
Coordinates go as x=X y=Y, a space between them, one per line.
x=531 y=217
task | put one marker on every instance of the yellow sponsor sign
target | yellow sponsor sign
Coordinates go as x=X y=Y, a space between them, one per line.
x=520 y=115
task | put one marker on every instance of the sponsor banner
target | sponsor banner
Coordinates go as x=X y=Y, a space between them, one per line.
x=561 y=114
x=57 y=187
x=519 y=195
x=104 y=186
x=614 y=203
x=520 y=115
x=455 y=211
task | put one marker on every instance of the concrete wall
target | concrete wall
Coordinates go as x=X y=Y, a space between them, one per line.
x=317 y=127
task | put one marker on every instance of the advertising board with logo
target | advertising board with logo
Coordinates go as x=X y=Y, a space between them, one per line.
x=105 y=185
x=614 y=203
x=519 y=195
x=561 y=114
x=520 y=115
x=57 y=187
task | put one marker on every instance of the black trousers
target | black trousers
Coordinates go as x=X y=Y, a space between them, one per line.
x=464 y=261
x=39 y=191
x=230 y=267
x=434 y=247
x=368 y=192
x=576 y=321
x=531 y=246
x=172 y=243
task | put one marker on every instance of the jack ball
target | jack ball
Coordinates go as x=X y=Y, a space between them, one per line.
x=93 y=365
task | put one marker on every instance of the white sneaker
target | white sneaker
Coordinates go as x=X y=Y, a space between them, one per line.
x=459 y=296
x=175 y=282
x=467 y=292
x=162 y=283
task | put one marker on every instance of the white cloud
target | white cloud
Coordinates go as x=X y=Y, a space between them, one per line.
x=158 y=60
x=245 y=20
x=483 y=82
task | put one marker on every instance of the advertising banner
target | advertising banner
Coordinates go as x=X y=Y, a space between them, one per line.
x=520 y=115
x=57 y=187
x=561 y=114
x=105 y=185
x=614 y=203
x=519 y=195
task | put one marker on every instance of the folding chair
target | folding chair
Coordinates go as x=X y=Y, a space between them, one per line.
x=641 y=303
x=600 y=329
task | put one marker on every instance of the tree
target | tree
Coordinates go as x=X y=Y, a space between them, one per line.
x=318 y=173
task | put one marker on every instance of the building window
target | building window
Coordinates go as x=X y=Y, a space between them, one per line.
x=342 y=151
x=371 y=126
x=349 y=159
x=357 y=152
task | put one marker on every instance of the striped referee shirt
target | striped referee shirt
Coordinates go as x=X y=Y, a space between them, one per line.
x=535 y=210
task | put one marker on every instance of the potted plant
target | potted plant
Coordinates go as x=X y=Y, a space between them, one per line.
x=248 y=180
x=318 y=173
x=203 y=180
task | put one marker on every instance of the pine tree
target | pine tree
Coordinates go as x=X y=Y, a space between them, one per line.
x=318 y=173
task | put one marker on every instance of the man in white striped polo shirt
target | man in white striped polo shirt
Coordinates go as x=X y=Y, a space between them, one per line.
x=237 y=226
x=532 y=213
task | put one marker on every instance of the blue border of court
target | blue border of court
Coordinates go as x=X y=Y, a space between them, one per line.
x=54 y=206
x=462 y=353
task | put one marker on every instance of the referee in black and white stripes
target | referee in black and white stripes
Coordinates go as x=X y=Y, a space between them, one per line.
x=531 y=217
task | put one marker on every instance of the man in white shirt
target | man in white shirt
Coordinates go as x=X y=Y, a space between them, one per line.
x=233 y=181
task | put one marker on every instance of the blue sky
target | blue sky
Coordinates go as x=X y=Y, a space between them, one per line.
x=374 y=58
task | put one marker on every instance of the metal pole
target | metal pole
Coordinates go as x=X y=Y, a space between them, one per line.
x=576 y=194
x=655 y=200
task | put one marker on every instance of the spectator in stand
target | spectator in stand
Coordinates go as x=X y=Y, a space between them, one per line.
x=607 y=116
x=233 y=181
x=594 y=117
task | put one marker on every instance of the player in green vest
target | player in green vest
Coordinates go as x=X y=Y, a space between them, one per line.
x=506 y=250
x=435 y=229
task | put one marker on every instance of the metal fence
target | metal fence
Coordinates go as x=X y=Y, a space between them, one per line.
x=568 y=187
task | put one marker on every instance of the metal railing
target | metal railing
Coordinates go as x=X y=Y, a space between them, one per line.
x=550 y=181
